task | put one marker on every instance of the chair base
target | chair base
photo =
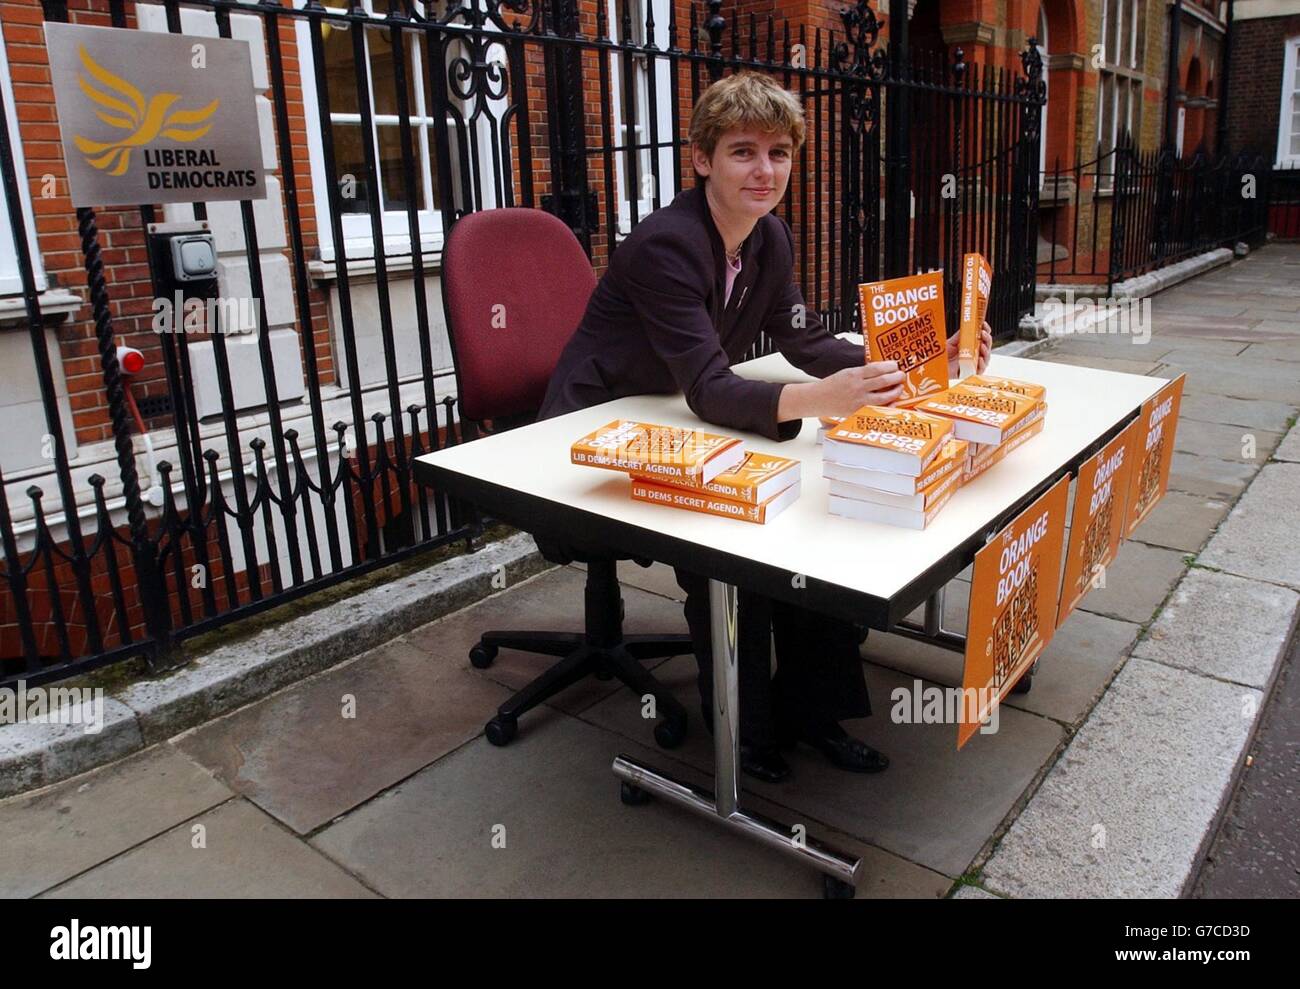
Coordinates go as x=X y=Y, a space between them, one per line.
x=602 y=650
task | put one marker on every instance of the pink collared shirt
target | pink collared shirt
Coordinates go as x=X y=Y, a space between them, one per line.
x=731 y=279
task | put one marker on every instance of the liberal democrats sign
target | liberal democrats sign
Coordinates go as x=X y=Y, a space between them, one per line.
x=154 y=118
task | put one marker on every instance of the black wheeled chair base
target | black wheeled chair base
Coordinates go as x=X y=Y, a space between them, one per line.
x=602 y=651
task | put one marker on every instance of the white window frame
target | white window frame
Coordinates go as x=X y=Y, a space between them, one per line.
x=1042 y=118
x=1290 y=105
x=11 y=282
x=357 y=236
x=1122 y=68
x=663 y=91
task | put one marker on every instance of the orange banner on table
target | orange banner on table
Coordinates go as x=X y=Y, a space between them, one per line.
x=1097 y=525
x=1015 y=588
x=1153 y=453
x=902 y=320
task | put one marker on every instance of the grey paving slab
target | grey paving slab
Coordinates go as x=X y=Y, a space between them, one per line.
x=1223 y=626
x=1136 y=582
x=1209 y=476
x=1236 y=411
x=657 y=578
x=550 y=602
x=1226 y=379
x=934 y=805
x=309 y=753
x=1276 y=350
x=1258 y=539
x=50 y=836
x=1181 y=521
x=239 y=853
x=1289 y=448
x=1072 y=672
x=551 y=803
x=1107 y=346
x=1211 y=439
x=1123 y=812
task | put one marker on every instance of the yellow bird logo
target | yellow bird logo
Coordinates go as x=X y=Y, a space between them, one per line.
x=143 y=121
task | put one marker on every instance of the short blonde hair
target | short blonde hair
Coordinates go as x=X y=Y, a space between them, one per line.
x=745 y=101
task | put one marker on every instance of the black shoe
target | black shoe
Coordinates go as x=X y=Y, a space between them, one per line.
x=842 y=749
x=761 y=762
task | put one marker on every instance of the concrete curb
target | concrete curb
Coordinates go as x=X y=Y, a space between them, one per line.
x=142 y=713
x=1134 y=801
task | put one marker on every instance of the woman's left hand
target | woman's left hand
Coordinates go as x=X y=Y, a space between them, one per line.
x=986 y=348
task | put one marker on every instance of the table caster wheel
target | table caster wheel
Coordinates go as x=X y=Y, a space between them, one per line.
x=837 y=889
x=670 y=733
x=632 y=795
x=1023 y=684
x=481 y=656
x=500 y=730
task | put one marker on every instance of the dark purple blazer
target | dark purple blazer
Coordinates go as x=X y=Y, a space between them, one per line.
x=656 y=323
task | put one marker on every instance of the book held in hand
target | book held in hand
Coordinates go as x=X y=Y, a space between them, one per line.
x=669 y=453
x=976 y=287
x=901 y=441
x=902 y=321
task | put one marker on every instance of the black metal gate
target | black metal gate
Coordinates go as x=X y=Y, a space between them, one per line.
x=390 y=120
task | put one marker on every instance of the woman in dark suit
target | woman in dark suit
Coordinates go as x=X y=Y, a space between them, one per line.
x=684 y=297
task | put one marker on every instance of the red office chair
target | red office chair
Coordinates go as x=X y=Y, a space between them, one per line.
x=515 y=283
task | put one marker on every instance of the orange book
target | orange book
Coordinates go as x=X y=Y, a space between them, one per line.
x=902 y=321
x=757 y=478
x=982 y=415
x=919 y=502
x=952 y=457
x=978 y=463
x=900 y=441
x=826 y=424
x=868 y=511
x=976 y=286
x=711 y=504
x=666 y=452
x=1026 y=388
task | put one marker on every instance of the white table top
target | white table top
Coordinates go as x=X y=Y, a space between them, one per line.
x=883 y=562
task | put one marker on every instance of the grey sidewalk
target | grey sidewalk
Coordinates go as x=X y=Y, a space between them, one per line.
x=373 y=778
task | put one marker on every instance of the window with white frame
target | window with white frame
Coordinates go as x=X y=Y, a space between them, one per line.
x=349 y=135
x=1119 y=88
x=1288 y=125
x=631 y=119
x=10 y=276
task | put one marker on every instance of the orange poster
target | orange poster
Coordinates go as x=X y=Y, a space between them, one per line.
x=1015 y=588
x=1097 y=526
x=902 y=320
x=1153 y=452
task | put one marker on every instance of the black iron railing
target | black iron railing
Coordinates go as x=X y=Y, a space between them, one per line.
x=516 y=103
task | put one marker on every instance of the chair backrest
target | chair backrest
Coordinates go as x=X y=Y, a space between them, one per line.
x=515 y=283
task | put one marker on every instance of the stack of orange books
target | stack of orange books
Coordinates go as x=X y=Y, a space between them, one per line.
x=826 y=424
x=997 y=415
x=693 y=469
x=895 y=466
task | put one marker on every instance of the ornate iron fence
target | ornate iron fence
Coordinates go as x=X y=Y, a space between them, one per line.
x=388 y=121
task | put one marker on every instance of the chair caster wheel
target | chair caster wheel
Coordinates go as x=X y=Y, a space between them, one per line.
x=481 y=656
x=1023 y=684
x=837 y=889
x=501 y=730
x=670 y=733
x=632 y=795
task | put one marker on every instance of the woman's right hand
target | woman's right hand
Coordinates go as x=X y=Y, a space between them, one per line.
x=846 y=391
